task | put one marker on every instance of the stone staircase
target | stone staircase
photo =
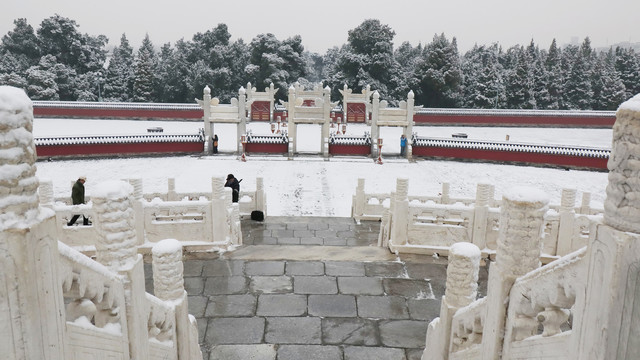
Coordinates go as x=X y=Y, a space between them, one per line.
x=313 y=288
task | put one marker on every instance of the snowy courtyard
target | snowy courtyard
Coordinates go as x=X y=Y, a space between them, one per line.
x=311 y=186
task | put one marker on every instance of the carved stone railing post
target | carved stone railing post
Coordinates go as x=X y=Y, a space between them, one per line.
x=236 y=231
x=567 y=214
x=519 y=245
x=261 y=196
x=116 y=248
x=218 y=210
x=585 y=207
x=444 y=198
x=46 y=193
x=138 y=208
x=168 y=285
x=171 y=190
x=484 y=193
x=358 y=203
x=461 y=290
x=610 y=324
x=31 y=300
x=400 y=221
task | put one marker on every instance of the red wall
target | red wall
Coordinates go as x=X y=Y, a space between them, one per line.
x=266 y=148
x=506 y=156
x=349 y=149
x=118 y=113
x=117 y=149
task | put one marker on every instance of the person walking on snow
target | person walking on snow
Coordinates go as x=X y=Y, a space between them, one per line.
x=234 y=184
x=77 y=198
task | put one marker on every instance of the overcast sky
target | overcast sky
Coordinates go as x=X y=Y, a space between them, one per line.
x=324 y=24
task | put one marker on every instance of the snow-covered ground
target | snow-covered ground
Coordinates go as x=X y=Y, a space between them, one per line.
x=311 y=186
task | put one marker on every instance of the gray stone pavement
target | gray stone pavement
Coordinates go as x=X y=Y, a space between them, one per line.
x=313 y=302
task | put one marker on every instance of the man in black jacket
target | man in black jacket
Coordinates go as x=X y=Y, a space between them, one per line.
x=234 y=184
x=77 y=197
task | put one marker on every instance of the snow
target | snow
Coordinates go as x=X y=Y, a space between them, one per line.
x=15 y=100
x=466 y=249
x=112 y=189
x=311 y=186
x=632 y=104
x=167 y=246
x=526 y=194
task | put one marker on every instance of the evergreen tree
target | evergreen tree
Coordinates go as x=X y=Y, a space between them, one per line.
x=554 y=77
x=628 y=67
x=23 y=43
x=41 y=81
x=144 y=72
x=119 y=75
x=519 y=87
x=579 y=93
x=439 y=74
x=609 y=91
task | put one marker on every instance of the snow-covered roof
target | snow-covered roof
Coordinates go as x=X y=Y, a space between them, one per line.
x=520 y=112
x=507 y=146
x=114 y=105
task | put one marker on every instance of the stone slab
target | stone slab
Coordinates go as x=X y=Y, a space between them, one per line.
x=305 y=268
x=315 y=285
x=293 y=330
x=231 y=305
x=282 y=305
x=409 y=288
x=403 y=333
x=352 y=331
x=315 y=352
x=382 y=307
x=243 y=352
x=360 y=285
x=344 y=268
x=424 y=309
x=372 y=353
x=264 y=268
x=332 y=305
x=235 y=331
x=309 y=252
x=271 y=284
x=194 y=285
x=220 y=285
x=384 y=269
x=197 y=305
x=223 y=268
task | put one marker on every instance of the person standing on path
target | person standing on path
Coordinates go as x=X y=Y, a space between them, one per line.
x=215 y=143
x=77 y=198
x=403 y=145
x=234 y=184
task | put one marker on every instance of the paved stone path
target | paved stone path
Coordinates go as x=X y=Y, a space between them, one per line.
x=318 y=301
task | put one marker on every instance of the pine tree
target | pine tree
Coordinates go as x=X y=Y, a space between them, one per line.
x=439 y=74
x=119 y=75
x=554 y=77
x=628 y=67
x=613 y=89
x=41 y=81
x=144 y=72
x=519 y=81
x=579 y=93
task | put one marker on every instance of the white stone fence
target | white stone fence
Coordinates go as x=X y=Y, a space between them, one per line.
x=198 y=219
x=431 y=224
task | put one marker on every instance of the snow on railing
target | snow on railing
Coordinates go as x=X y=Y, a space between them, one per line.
x=283 y=138
x=512 y=147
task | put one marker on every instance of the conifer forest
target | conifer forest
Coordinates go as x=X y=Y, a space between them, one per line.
x=55 y=61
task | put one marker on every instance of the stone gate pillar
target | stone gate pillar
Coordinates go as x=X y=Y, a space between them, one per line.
x=31 y=301
x=327 y=121
x=205 y=103
x=519 y=245
x=242 y=115
x=610 y=327
x=291 y=109
x=375 y=129
x=116 y=248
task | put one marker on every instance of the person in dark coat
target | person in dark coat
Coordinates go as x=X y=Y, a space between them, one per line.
x=77 y=198
x=234 y=184
x=215 y=143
